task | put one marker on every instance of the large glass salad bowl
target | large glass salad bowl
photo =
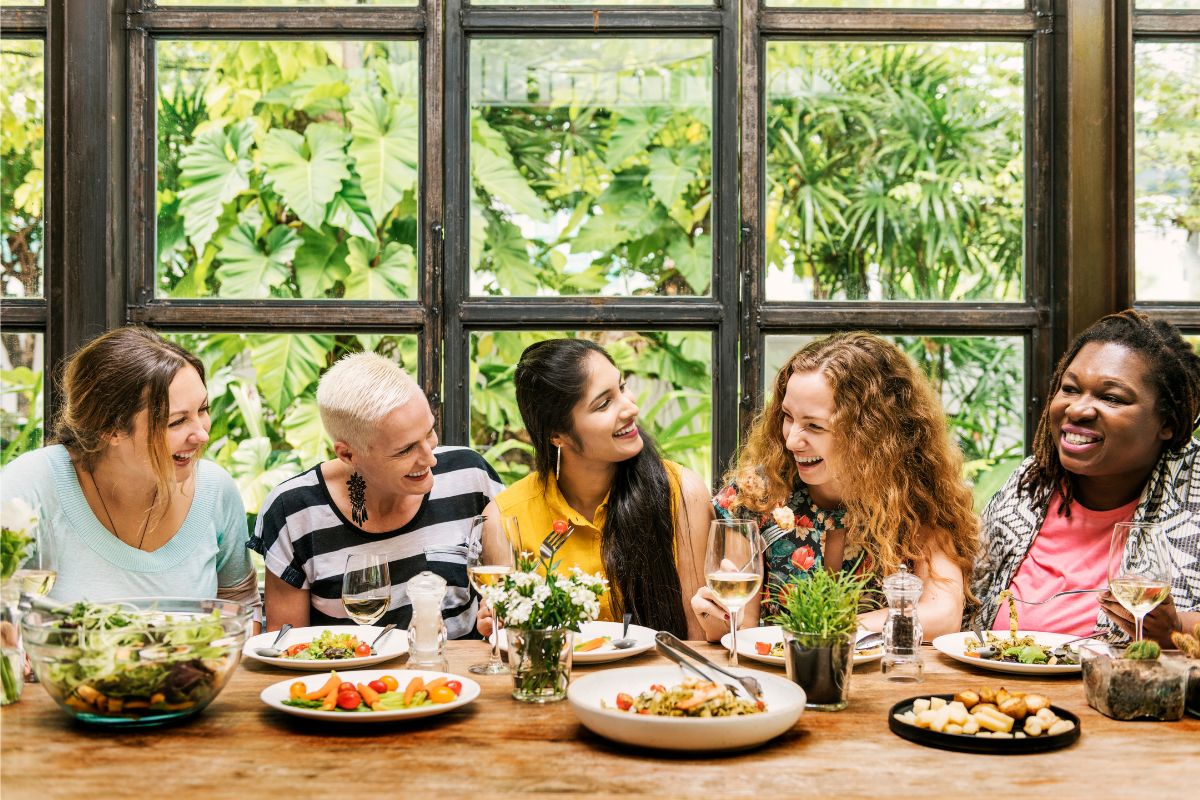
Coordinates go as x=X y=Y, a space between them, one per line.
x=137 y=662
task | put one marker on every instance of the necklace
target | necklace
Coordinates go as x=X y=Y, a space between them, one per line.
x=107 y=513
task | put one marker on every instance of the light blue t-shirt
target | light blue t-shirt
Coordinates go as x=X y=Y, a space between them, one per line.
x=208 y=550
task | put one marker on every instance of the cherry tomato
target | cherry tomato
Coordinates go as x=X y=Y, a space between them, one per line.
x=349 y=700
x=390 y=682
x=762 y=648
x=624 y=701
x=559 y=526
x=378 y=686
x=362 y=650
x=454 y=686
x=442 y=694
x=297 y=648
x=297 y=689
x=346 y=686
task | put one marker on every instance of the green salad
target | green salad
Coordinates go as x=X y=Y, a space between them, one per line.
x=115 y=661
x=327 y=646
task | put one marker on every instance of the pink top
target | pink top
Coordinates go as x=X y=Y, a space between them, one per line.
x=1068 y=553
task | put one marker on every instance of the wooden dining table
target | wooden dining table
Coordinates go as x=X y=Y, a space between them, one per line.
x=498 y=747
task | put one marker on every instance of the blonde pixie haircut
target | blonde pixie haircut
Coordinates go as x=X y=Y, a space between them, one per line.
x=357 y=392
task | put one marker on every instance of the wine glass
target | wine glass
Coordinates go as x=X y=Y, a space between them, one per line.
x=1139 y=568
x=366 y=587
x=39 y=569
x=487 y=566
x=733 y=568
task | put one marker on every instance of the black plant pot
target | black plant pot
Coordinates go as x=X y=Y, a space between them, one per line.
x=821 y=666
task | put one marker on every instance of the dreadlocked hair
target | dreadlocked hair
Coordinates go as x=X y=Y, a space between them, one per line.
x=1174 y=370
x=901 y=474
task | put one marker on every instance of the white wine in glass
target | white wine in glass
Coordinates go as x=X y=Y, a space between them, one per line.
x=39 y=570
x=1139 y=568
x=366 y=587
x=733 y=568
x=490 y=557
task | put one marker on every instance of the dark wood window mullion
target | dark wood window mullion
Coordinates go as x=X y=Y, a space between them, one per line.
x=456 y=415
x=726 y=367
x=751 y=247
x=432 y=238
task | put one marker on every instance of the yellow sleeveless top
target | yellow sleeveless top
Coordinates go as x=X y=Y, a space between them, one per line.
x=536 y=505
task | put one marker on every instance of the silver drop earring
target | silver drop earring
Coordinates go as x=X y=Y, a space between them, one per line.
x=558 y=462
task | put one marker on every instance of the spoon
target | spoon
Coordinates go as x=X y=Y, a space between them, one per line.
x=624 y=642
x=984 y=650
x=386 y=630
x=868 y=641
x=273 y=651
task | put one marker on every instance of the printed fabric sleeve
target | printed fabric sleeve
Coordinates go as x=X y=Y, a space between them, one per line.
x=229 y=516
x=723 y=501
x=273 y=541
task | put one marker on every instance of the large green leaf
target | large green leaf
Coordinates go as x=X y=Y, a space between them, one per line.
x=694 y=262
x=501 y=179
x=601 y=232
x=633 y=132
x=250 y=465
x=384 y=142
x=391 y=275
x=303 y=430
x=287 y=365
x=515 y=271
x=320 y=263
x=308 y=170
x=316 y=91
x=214 y=169
x=350 y=212
x=670 y=173
x=248 y=271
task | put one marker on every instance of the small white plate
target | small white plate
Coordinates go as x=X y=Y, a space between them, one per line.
x=784 y=700
x=643 y=641
x=954 y=645
x=276 y=693
x=394 y=644
x=773 y=634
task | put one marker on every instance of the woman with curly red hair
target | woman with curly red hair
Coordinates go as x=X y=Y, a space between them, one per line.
x=850 y=467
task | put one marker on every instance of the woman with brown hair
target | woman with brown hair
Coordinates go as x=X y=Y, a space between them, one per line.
x=850 y=467
x=131 y=508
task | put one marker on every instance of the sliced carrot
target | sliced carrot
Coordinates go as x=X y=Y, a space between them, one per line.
x=435 y=683
x=369 y=695
x=330 y=702
x=591 y=644
x=414 y=686
x=330 y=687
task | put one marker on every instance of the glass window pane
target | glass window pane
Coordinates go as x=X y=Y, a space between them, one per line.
x=668 y=373
x=591 y=167
x=981 y=380
x=1167 y=167
x=947 y=5
x=22 y=3
x=22 y=158
x=895 y=171
x=262 y=394
x=308 y=3
x=1170 y=5
x=288 y=169
x=21 y=394
x=592 y=2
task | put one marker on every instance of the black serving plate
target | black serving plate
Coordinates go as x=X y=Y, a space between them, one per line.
x=976 y=744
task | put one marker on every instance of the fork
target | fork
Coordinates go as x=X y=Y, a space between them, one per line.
x=551 y=544
x=1056 y=594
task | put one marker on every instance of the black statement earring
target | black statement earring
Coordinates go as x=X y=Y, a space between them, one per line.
x=358 y=498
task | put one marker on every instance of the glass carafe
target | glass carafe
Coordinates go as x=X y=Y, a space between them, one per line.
x=427 y=631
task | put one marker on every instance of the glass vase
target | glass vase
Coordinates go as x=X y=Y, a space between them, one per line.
x=540 y=660
x=821 y=665
x=12 y=656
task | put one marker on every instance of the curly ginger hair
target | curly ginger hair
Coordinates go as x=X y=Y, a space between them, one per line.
x=899 y=470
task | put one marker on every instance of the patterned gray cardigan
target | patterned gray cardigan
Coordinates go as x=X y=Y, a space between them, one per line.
x=1010 y=522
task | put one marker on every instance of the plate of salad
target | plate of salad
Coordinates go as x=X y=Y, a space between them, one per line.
x=765 y=644
x=365 y=696
x=322 y=647
x=1021 y=652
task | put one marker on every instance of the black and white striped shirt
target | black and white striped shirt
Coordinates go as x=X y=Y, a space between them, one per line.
x=305 y=539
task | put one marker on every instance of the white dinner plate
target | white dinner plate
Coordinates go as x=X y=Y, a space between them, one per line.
x=954 y=645
x=394 y=644
x=784 y=701
x=773 y=634
x=276 y=693
x=643 y=638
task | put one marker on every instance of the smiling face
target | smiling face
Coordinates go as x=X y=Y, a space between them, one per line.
x=187 y=429
x=807 y=408
x=400 y=456
x=1103 y=418
x=604 y=418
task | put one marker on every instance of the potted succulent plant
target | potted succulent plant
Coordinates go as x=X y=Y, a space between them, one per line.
x=818 y=612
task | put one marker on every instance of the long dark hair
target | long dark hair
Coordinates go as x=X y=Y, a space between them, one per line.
x=637 y=545
x=1174 y=371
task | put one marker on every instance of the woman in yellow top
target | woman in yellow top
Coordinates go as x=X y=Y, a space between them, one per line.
x=640 y=521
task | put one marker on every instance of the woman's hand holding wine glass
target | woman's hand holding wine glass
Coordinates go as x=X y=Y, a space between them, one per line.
x=733 y=568
x=1139 y=569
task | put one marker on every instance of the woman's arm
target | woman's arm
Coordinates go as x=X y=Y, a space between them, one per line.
x=493 y=540
x=285 y=603
x=940 y=607
x=691 y=526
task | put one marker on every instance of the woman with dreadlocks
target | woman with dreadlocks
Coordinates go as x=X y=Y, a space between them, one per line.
x=1114 y=444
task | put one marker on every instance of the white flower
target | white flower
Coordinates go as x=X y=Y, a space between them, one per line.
x=18 y=516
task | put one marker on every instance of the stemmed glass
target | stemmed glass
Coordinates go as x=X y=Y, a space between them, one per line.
x=1139 y=568
x=39 y=570
x=733 y=568
x=366 y=587
x=487 y=566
